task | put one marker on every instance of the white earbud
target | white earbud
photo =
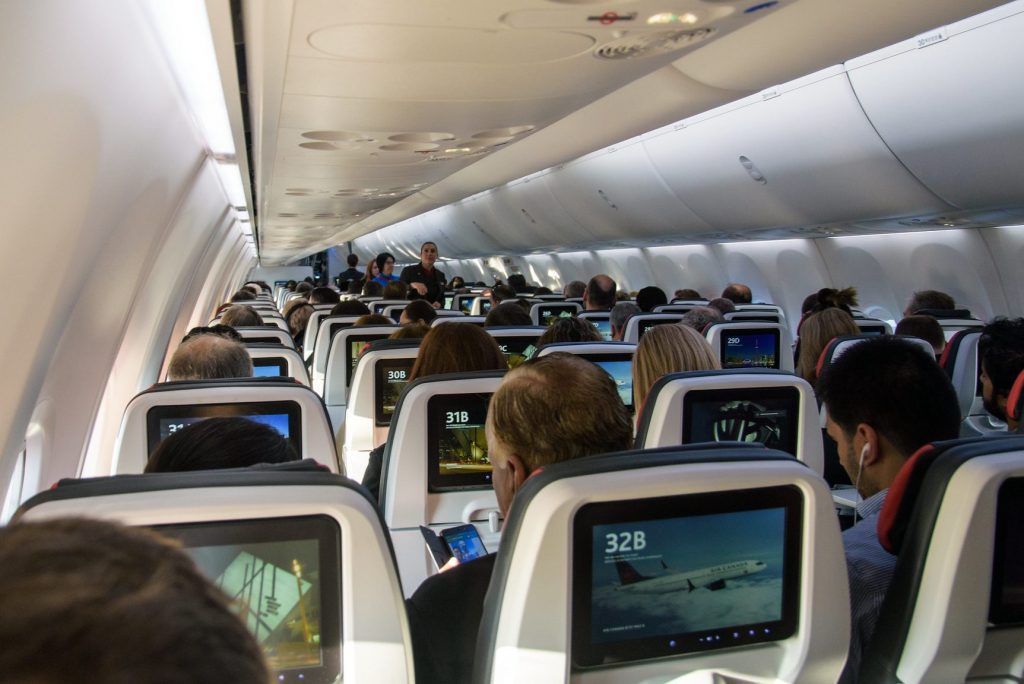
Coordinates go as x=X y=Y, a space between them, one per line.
x=863 y=453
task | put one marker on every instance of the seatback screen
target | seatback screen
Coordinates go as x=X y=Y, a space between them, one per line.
x=456 y=443
x=283 y=416
x=603 y=325
x=549 y=313
x=646 y=326
x=517 y=348
x=620 y=367
x=769 y=415
x=269 y=368
x=355 y=345
x=283 y=577
x=1007 y=596
x=390 y=378
x=669 y=576
x=466 y=304
x=749 y=348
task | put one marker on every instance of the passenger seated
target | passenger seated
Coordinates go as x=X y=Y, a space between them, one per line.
x=925 y=327
x=722 y=305
x=219 y=329
x=324 y=295
x=929 y=300
x=668 y=349
x=396 y=289
x=600 y=293
x=687 y=294
x=297 y=319
x=1001 y=360
x=220 y=443
x=621 y=313
x=570 y=329
x=507 y=313
x=240 y=315
x=373 y=319
x=737 y=293
x=886 y=398
x=649 y=297
x=410 y=331
x=372 y=288
x=418 y=311
x=574 y=289
x=91 y=600
x=532 y=421
x=815 y=333
x=449 y=348
x=243 y=295
x=517 y=281
x=700 y=317
x=208 y=357
x=350 y=307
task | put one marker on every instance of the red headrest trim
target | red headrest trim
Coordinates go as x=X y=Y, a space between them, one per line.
x=821 y=359
x=1013 y=402
x=947 y=351
x=894 y=504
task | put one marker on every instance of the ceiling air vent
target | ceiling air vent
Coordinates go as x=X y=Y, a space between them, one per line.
x=648 y=44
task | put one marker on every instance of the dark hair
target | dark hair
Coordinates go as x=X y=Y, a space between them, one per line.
x=456 y=282
x=355 y=287
x=291 y=285
x=90 y=599
x=829 y=298
x=895 y=387
x=220 y=443
x=410 y=331
x=649 y=297
x=352 y=260
x=382 y=259
x=374 y=319
x=456 y=348
x=723 y=305
x=507 y=313
x=396 y=289
x=687 y=293
x=502 y=293
x=1001 y=352
x=737 y=293
x=517 y=281
x=304 y=286
x=350 y=307
x=574 y=289
x=428 y=242
x=207 y=357
x=601 y=291
x=240 y=314
x=243 y=295
x=420 y=310
x=930 y=299
x=543 y=291
x=324 y=295
x=570 y=329
x=372 y=288
x=925 y=327
x=219 y=329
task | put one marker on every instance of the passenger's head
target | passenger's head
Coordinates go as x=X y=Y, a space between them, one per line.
x=386 y=263
x=219 y=329
x=542 y=291
x=217 y=443
x=507 y=313
x=291 y=285
x=298 y=318
x=410 y=331
x=240 y=315
x=931 y=300
x=737 y=293
x=457 y=348
x=700 y=317
x=350 y=307
x=570 y=329
x=533 y=421
x=600 y=293
x=208 y=357
x=374 y=319
x=372 y=271
x=291 y=304
x=502 y=293
x=355 y=287
x=418 y=311
x=649 y=297
x=87 y=600
x=574 y=289
x=396 y=289
x=305 y=287
x=925 y=327
x=428 y=254
x=324 y=295
x=885 y=398
x=687 y=293
x=668 y=349
x=1001 y=360
x=456 y=283
x=517 y=281
x=621 y=313
x=815 y=333
x=352 y=260
x=722 y=305
x=829 y=298
x=243 y=295
x=372 y=288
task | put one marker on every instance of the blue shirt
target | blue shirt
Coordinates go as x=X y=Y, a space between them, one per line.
x=869 y=567
x=385 y=279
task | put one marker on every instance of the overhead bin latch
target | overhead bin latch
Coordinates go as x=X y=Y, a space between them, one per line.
x=931 y=37
x=769 y=93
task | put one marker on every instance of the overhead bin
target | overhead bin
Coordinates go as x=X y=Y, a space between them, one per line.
x=531 y=218
x=618 y=195
x=950 y=105
x=802 y=153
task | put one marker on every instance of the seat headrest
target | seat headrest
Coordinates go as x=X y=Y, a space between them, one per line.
x=941 y=314
x=405 y=343
x=1013 y=400
x=949 y=354
x=899 y=502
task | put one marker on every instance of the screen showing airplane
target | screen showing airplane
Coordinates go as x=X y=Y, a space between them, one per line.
x=1007 y=598
x=621 y=370
x=456 y=442
x=675 y=575
x=466 y=304
x=768 y=415
x=750 y=349
x=282 y=578
x=283 y=416
x=604 y=326
x=392 y=375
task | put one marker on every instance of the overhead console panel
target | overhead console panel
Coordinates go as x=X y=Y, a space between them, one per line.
x=950 y=104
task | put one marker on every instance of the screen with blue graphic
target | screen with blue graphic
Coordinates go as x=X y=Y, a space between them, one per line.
x=750 y=349
x=269 y=368
x=283 y=416
x=621 y=370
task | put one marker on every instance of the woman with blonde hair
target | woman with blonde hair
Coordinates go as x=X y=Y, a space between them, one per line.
x=815 y=333
x=668 y=349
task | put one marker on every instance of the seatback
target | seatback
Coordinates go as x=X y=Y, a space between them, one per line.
x=873 y=326
x=770 y=407
x=546 y=313
x=266 y=334
x=475 y=320
x=517 y=343
x=274 y=360
x=1015 y=401
x=276 y=321
x=960 y=361
x=329 y=327
x=953 y=611
x=837 y=346
x=764 y=316
x=324 y=522
x=596 y=549
x=320 y=311
x=380 y=305
x=342 y=357
x=481 y=306
x=640 y=323
x=288 y=407
x=951 y=325
x=602 y=320
x=380 y=376
x=677 y=307
x=463 y=302
x=751 y=345
x=616 y=358
x=407 y=497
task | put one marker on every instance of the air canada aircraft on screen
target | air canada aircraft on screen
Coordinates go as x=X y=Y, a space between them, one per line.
x=712 y=578
x=157 y=155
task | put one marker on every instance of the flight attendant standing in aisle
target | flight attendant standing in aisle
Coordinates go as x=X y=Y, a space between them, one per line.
x=425 y=274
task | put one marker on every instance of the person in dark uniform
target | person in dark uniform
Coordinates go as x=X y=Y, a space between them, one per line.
x=425 y=273
x=350 y=274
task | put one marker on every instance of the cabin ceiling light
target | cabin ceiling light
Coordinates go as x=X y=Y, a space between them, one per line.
x=231 y=179
x=670 y=18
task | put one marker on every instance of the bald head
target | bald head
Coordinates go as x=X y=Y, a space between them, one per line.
x=600 y=293
x=737 y=293
x=207 y=357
